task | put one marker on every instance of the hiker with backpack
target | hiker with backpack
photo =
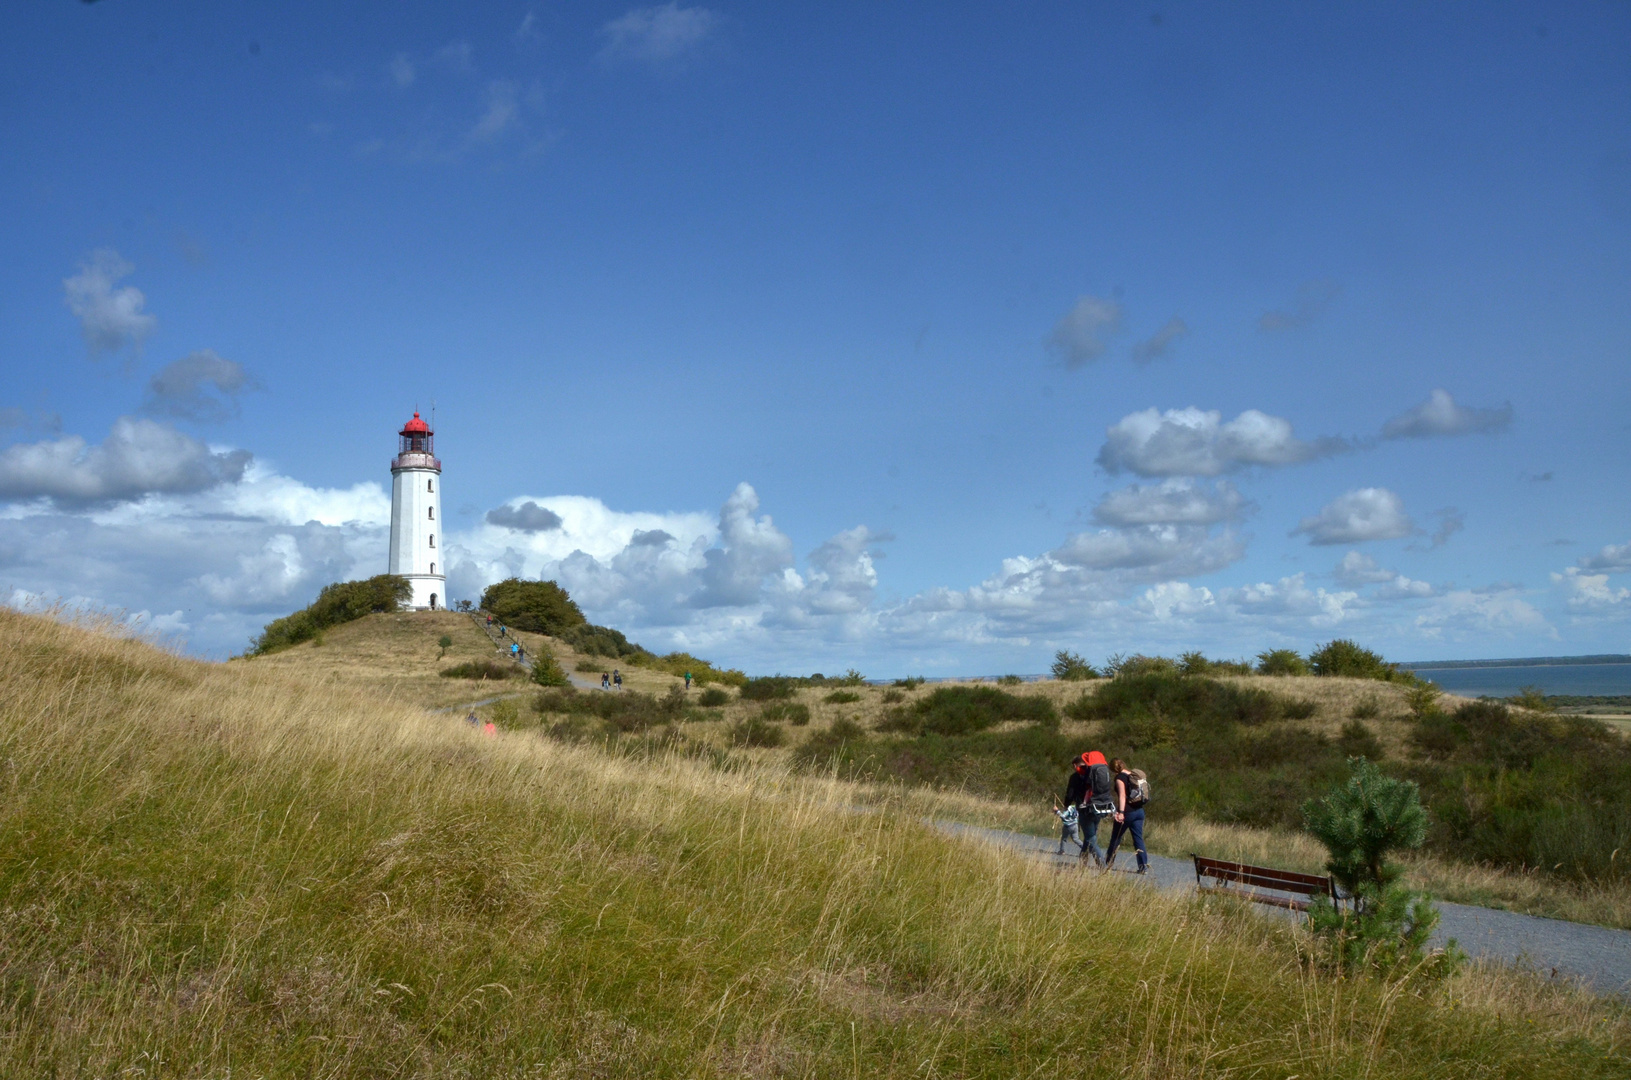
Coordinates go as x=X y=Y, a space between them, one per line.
x=1097 y=801
x=1132 y=792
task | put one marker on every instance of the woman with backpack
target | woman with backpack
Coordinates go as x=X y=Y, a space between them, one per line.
x=1131 y=795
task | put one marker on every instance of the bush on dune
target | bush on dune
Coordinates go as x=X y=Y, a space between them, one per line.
x=959 y=710
x=483 y=669
x=342 y=602
x=540 y=607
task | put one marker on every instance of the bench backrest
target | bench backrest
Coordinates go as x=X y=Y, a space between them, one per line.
x=1263 y=877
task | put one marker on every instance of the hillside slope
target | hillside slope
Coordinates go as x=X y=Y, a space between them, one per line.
x=258 y=870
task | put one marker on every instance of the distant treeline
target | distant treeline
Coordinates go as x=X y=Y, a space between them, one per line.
x=1524 y=661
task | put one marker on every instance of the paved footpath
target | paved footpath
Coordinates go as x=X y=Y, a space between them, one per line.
x=1596 y=955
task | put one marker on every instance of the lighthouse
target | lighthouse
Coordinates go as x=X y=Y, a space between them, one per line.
x=416 y=515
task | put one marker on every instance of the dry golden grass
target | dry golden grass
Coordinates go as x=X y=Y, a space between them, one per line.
x=396 y=656
x=257 y=870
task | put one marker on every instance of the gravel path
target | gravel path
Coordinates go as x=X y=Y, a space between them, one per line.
x=1595 y=955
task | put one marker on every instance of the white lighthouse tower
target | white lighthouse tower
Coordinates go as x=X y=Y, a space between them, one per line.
x=416 y=515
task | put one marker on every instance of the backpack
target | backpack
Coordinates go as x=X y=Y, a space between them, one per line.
x=1143 y=783
x=1101 y=787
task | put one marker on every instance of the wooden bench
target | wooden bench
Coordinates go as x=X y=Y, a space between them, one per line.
x=1252 y=880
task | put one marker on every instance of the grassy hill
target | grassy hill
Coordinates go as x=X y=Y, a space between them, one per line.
x=273 y=869
x=1237 y=798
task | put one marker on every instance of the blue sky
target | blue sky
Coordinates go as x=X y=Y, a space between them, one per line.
x=915 y=338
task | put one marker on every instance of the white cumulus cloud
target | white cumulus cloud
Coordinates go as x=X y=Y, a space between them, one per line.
x=1078 y=337
x=1178 y=501
x=139 y=457
x=659 y=33
x=1612 y=559
x=110 y=316
x=179 y=388
x=1196 y=442
x=1590 y=590
x=1440 y=415
x=1160 y=343
x=1358 y=516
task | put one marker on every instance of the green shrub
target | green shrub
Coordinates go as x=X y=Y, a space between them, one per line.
x=628 y=712
x=1205 y=701
x=1357 y=740
x=792 y=712
x=768 y=688
x=833 y=747
x=1344 y=657
x=588 y=666
x=1119 y=666
x=754 y=731
x=599 y=641
x=1385 y=927
x=1194 y=663
x=713 y=697
x=445 y=643
x=842 y=697
x=542 y=607
x=1070 y=667
x=892 y=697
x=959 y=710
x=341 y=602
x=1366 y=708
x=909 y=684
x=483 y=669
x=506 y=715
x=1532 y=698
x=1281 y=662
x=547 y=671
x=1297 y=709
x=1010 y=680
x=1422 y=699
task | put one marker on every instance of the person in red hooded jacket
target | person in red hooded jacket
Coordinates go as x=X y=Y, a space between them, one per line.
x=1090 y=788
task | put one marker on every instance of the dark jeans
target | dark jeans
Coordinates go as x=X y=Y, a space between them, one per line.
x=1090 y=833
x=1131 y=822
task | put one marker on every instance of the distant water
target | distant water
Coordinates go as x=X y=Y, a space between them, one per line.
x=1552 y=678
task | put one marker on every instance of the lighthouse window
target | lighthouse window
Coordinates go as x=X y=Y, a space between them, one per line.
x=433 y=568
x=430 y=485
x=432 y=539
x=433 y=513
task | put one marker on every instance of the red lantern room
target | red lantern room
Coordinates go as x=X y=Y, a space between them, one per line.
x=417 y=437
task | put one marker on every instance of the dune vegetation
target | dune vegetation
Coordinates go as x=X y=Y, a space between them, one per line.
x=256 y=869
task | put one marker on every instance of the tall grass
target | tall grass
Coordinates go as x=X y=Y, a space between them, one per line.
x=238 y=870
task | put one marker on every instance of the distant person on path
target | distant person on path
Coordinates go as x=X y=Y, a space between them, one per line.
x=688 y=680
x=605 y=680
x=515 y=650
x=1129 y=815
x=1100 y=803
x=472 y=719
x=489 y=728
x=617 y=678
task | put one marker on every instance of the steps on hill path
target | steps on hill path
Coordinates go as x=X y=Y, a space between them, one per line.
x=479 y=617
x=1597 y=956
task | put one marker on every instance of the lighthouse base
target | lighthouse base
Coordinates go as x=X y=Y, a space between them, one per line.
x=429 y=592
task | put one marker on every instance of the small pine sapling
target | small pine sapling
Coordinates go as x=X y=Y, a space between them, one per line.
x=446 y=643
x=1385 y=926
